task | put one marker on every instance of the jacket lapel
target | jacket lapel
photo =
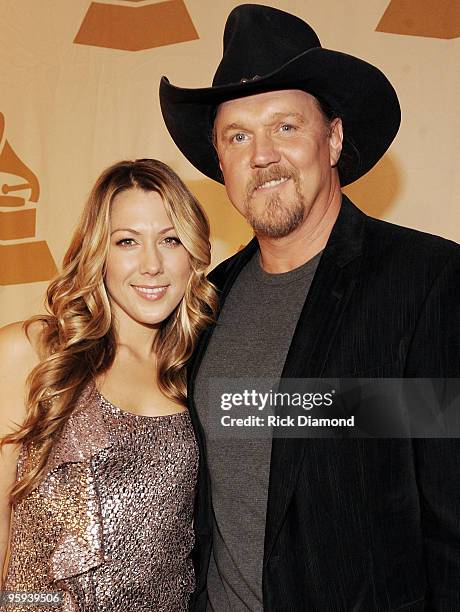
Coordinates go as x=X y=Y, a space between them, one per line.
x=223 y=278
x=318 y=323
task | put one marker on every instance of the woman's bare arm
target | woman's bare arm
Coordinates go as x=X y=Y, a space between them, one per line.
x=17 y=359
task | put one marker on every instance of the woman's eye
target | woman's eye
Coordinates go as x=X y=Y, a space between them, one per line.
x=171 y=241
x=126 y=242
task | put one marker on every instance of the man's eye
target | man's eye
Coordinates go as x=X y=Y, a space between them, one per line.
x=126 y=242
x=287 y=127
x=171 y=241
x=240 y=137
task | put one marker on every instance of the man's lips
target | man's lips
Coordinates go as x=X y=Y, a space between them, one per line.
x=272 y=184
x=149 y=292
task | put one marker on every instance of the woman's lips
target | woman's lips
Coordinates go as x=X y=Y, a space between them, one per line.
x=150 y=293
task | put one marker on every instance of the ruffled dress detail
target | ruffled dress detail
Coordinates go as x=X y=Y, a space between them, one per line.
x=110 y=525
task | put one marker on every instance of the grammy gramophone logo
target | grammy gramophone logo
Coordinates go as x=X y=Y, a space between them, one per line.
x=430 y=18
x=134 y=25
x=23 y=259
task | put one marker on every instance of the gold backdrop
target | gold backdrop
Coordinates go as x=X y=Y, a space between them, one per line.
x=79 y=91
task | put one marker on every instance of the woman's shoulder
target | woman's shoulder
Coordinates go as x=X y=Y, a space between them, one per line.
x=20 y=352
x=20 y=342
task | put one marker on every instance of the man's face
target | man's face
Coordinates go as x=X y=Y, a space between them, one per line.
x=277 y=154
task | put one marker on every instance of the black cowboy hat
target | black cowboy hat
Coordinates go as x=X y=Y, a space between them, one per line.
x=266 y=49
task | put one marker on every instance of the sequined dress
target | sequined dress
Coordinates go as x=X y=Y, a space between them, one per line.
x=110 y=525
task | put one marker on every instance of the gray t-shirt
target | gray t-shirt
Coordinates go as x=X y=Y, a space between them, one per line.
x=252 y=338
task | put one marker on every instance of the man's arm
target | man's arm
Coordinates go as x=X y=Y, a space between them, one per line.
x=435 y=353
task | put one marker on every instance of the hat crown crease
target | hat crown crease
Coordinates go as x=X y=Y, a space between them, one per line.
x=258 y=41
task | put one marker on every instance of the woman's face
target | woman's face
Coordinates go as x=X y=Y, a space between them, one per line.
x=147 y=266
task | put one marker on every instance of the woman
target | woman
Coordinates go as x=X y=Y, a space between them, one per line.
x=105 y=454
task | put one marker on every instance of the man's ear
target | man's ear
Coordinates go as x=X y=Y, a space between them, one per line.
x=335 y=141
x=214 y=142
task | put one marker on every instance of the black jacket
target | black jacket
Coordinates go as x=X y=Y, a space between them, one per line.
x=366 y=525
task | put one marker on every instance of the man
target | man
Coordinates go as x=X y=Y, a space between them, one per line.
x=321 y=291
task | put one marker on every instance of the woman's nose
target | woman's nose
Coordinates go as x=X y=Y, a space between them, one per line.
x=151 y=262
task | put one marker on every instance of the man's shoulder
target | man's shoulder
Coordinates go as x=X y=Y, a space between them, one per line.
x=385 y=239
x=406 y=247
x=407 y=235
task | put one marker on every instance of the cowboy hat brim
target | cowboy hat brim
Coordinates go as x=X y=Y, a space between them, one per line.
x=357 y=91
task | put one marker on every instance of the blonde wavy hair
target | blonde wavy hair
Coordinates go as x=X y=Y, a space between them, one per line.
x=78 y=339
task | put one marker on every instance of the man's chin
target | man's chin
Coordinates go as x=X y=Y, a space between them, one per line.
x=274 y=230
x=276 y=226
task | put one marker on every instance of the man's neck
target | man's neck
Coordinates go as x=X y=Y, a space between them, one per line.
x=284 y=254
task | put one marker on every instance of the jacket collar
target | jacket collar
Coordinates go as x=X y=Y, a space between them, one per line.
x=344 y=245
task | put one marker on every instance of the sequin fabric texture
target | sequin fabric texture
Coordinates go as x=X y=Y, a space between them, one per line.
x=110 y=525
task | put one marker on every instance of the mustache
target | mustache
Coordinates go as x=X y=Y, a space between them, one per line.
x=264 y=175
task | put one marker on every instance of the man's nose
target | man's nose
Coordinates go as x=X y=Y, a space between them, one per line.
x=151 y=262
x=264 y=152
